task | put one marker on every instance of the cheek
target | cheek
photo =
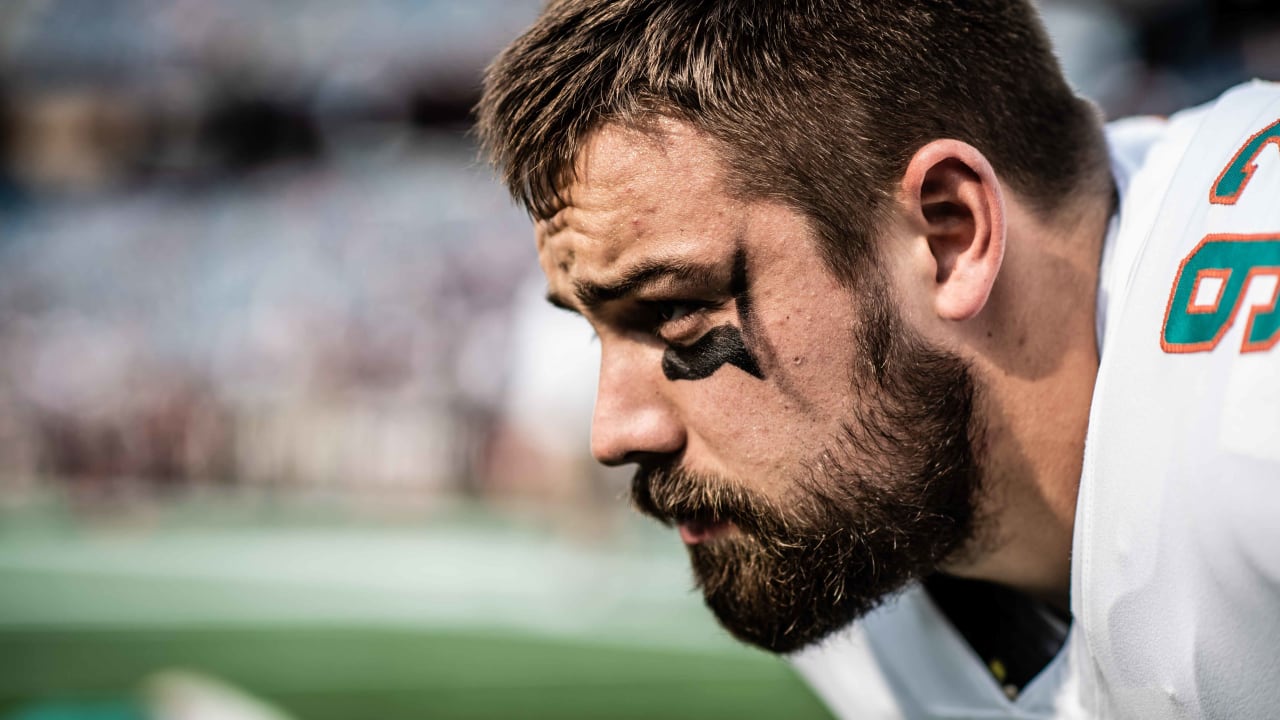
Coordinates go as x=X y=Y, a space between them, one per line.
x=812 y=348
x=760 y=428
x=805 y=325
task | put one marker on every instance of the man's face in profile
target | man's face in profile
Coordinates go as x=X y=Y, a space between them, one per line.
x=814 y=453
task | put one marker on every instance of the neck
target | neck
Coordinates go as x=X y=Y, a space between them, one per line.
x=1037 y=363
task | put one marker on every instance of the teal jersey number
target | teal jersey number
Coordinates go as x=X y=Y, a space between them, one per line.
x=1213 y=283
x=1236 y=175
x=1227 y=273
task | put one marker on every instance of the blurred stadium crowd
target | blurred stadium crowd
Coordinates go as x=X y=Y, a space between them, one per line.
x=250 y=244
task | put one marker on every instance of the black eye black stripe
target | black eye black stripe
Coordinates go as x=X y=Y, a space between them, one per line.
x=721 y=345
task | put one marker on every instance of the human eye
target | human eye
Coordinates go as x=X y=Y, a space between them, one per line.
x=675 y=311
x=678 y=321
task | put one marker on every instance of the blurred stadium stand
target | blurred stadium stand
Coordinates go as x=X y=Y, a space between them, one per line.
x=267 y=395
x=250 y=243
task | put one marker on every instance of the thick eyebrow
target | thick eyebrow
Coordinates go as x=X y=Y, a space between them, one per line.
x=642 y=276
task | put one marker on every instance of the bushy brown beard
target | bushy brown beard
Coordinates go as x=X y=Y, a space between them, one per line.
x=892 y=497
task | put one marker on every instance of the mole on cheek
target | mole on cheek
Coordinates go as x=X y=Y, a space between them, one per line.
x=720 y=346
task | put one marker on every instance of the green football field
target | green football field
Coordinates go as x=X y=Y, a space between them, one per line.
x=332 y=673
x=450 y=620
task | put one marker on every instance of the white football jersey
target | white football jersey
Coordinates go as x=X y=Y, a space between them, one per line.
x=905 y=661
x=1176 y=555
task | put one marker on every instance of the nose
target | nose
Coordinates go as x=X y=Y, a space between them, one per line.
x=634 y=418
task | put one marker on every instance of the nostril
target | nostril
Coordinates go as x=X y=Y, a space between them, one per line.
x=644 y=443
x=648 y=459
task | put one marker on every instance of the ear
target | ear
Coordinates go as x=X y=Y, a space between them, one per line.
x=953 y=198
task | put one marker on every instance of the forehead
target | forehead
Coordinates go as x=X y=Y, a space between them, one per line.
x=640 y=194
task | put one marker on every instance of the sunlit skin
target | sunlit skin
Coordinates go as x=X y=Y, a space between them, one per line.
x=973 y=271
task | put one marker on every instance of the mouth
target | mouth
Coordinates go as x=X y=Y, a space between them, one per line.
x=695 y=532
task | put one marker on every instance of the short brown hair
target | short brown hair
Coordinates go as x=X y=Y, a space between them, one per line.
x=816 y=103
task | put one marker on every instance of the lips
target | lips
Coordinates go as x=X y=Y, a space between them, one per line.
x=694 y=532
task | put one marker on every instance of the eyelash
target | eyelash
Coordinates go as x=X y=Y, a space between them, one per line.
x=669 y=315
x=670 y=311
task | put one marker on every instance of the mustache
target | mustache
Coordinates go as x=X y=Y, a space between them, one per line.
x=672 y=495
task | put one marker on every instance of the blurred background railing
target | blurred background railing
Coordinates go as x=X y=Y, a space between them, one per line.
x=277 y=384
